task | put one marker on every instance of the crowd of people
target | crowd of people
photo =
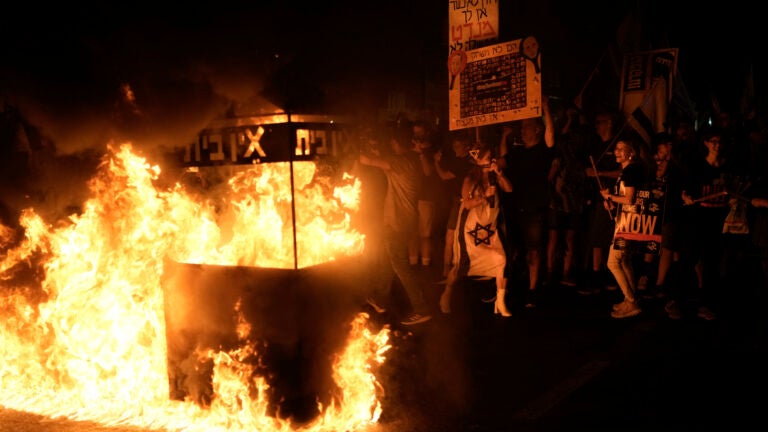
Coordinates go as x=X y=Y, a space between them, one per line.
x=536 y=201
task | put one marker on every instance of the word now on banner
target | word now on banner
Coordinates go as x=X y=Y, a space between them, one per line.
x=638 y=225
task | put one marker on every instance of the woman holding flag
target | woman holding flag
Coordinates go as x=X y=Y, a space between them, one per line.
x=479 y=248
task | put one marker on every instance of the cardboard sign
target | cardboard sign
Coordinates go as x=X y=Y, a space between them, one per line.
x=472 y=24
x=638 y=226
x=498 y=83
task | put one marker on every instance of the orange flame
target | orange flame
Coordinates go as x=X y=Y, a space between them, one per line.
x=87 y=340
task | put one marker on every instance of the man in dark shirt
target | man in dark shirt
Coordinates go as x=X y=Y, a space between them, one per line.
x=528 y=165
x=601 y=170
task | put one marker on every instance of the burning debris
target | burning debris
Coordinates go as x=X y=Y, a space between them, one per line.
x=83 y=303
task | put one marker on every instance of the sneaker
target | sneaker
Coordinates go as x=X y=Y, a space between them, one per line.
x=705 y=313
x=618 y=306
x=415 y=318
x=568 y=280
x=673 y=310
x=629 y=310
x=375 y=305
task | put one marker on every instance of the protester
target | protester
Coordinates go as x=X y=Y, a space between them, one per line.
x=667 y=180
x=528 y=166
x=601 y=170
x=452 y=170
x=430 y=193
x=566 y=205
x=403 y=171
x=479 y=248
x=709 y=176
x=369 y=219
x=616 y=199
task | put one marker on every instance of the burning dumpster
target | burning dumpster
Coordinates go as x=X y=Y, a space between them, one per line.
x=234 y=286
x=287 y=208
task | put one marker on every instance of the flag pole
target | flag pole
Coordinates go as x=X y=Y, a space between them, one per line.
x=599 y=183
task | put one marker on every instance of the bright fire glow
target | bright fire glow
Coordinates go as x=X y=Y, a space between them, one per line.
x=250 y=223
x=85 y=338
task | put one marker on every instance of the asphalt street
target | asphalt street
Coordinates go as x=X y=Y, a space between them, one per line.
x=567 y=365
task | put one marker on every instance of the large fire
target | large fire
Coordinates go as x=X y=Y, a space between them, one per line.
x=84 y=336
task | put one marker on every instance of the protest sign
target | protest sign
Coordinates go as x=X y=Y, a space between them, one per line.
x=495 y=84
x=638 y=225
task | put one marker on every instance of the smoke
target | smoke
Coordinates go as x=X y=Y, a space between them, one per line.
x=68 y=75
x=70 y=126
x=78 y=86
x=152 y=110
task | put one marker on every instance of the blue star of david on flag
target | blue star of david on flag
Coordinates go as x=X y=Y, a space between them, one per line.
x=476 y=233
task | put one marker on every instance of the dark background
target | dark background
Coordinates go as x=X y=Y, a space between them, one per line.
x=63 y=65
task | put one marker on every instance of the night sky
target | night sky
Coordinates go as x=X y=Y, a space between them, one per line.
x=63 y=66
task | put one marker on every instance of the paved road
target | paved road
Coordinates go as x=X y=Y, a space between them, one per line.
x=565 y=365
